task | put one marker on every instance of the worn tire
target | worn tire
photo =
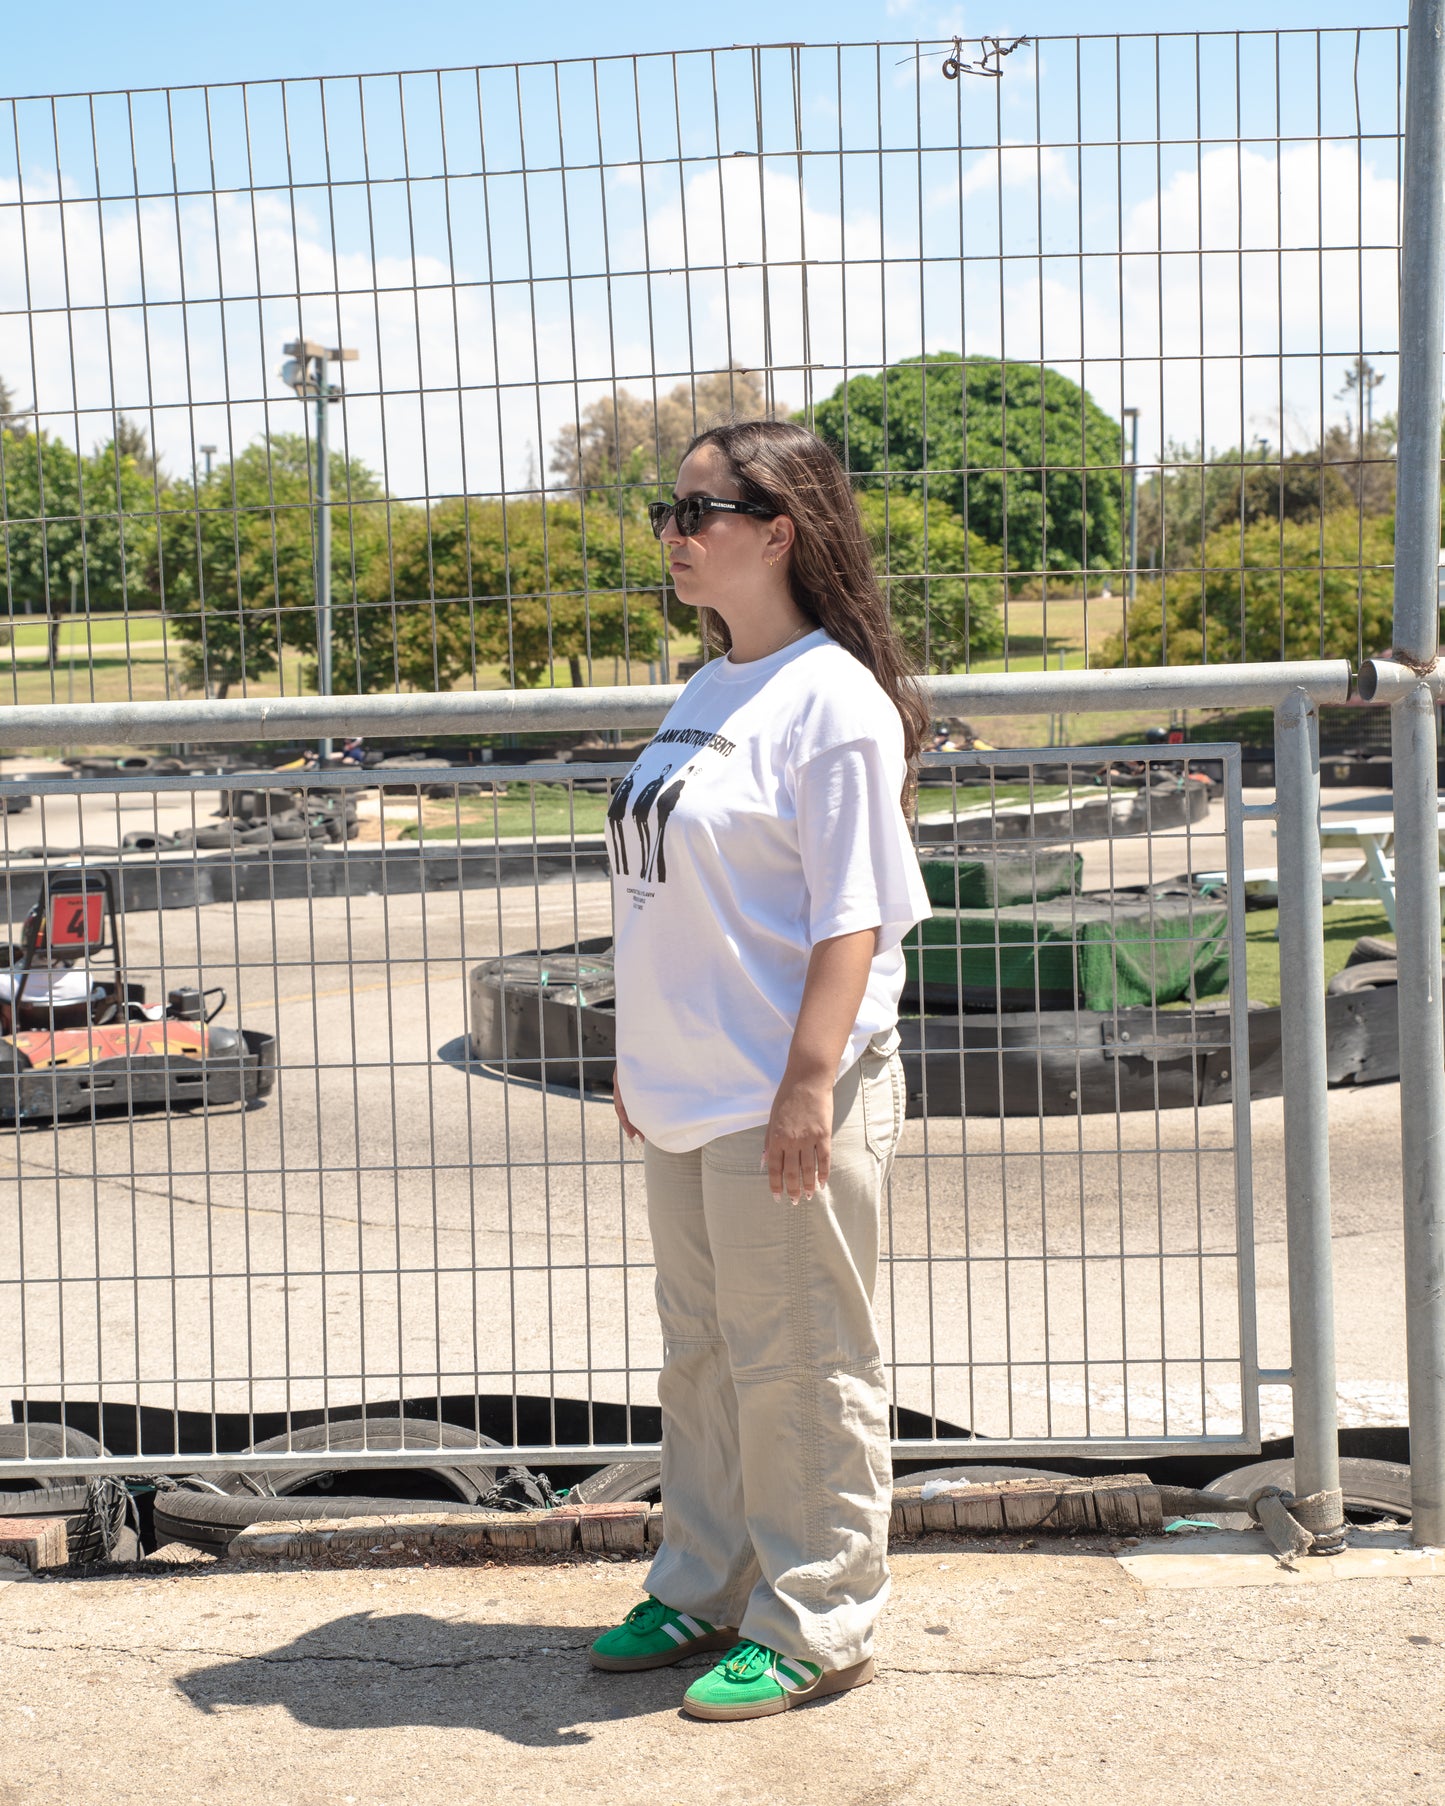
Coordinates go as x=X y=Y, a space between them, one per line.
x=1369 y=975
x=53 y=1495
x=630 y=1482
x=467 y=1480
x=1371 y=947
x=206 y=1520
x=1373 y=1489
x=625 y=1483
x=44 y=1440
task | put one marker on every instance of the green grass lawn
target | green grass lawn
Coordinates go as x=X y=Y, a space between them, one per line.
x=1344 y=924
x=560 y=810
x=935 y=801
x=540 y=809
x=101 y=630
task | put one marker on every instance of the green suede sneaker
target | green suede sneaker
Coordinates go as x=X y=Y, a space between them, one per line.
x=752 y=1682
x=652 y=1635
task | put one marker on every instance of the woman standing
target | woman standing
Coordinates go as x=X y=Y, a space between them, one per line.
x=759 y=968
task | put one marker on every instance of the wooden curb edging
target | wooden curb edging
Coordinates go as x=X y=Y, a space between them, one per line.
x=38 y=1542
x=1119 y=1504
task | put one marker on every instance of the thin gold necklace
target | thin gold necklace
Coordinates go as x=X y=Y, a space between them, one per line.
x=807 y=628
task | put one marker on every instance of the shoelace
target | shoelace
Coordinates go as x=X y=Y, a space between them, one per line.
x=747 y=1661
x=647 y=1616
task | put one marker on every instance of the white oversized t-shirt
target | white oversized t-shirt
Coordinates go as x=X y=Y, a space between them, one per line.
x=764 y=817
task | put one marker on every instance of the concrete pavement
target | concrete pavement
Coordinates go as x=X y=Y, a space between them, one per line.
x=1006 y=1674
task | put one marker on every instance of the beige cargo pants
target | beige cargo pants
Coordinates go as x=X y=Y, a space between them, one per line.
x=776 y=1476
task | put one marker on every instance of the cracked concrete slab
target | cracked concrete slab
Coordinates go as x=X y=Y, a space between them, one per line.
x=1004 y=1674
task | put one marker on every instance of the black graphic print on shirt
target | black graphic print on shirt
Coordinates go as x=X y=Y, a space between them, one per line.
x=641 y=809
x=666 y=803
x=616 y=825
x=652 y=805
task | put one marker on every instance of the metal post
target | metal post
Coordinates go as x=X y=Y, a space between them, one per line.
x=305 y=370
x=1413 y=746
x=1132 y=415
x=1306 y=1108
x=323 y=545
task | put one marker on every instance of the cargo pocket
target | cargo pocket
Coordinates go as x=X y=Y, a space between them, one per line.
x=881 y=1089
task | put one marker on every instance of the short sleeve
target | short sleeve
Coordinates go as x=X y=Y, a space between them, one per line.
x=857 y=853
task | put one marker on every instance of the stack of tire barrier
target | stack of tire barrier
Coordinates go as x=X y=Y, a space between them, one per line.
x=1010 y=929
x=99 y=1522
x=261 y=818
x=210 y=1516
x=548 y=1018
x=1082 y=815
x=421 y=763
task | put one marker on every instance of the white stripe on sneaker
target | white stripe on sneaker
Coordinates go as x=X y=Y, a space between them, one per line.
x=678 y=1636
x=793 y=1675
x=694 y=1628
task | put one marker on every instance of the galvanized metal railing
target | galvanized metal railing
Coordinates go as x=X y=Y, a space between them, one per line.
x=548 y=889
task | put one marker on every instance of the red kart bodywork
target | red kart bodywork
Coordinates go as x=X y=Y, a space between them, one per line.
x=67 y=1058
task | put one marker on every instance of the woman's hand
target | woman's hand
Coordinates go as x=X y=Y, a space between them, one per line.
x=798 y=1147
x=629 y=1128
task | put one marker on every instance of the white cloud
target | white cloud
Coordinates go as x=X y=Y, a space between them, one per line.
x=1180 y=304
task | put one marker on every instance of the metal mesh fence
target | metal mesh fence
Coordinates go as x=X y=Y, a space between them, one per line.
x=404 y=1188
x=1104 y=327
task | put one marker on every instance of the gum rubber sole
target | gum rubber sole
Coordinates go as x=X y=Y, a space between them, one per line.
x=720 y=1639
x=837 y=1680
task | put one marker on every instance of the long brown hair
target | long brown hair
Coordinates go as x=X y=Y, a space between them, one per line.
x=788 y=470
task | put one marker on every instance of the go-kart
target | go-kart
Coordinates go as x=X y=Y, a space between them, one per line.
x=76 y=1036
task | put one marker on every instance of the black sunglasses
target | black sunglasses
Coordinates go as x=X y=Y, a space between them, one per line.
x=688 y=512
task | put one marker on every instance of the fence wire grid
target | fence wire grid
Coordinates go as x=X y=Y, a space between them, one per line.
x=1107 y=338
x=431 y=1207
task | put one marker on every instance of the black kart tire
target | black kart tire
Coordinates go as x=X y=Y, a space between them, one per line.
x=625 y=1483
x=206 y=1520
x=1373 y=1489
x=207 y=839
x=19 y=1442
x=52 y=1495
x=467 y=1480
x=1369 y=975
x=1371 y=947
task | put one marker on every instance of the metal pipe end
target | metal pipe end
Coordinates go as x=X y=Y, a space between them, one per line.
x=1387 y=680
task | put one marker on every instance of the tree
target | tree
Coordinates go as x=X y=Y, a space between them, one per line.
x=91 y=522
x=1275 y=590
x=1192 y=496
x=941 y=581
x=627 y=443
x=1361 y=381
x=1021 y=454
x=131 y=442
x=521 y=585
x=10 y=411
x=236 y=564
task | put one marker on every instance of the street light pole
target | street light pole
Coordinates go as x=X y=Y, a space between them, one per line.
x=306 y=372
x=1132 y=416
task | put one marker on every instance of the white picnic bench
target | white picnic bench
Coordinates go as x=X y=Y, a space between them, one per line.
x=1371 y=875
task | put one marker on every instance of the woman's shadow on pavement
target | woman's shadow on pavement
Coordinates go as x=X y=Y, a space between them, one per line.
x=529 y=1683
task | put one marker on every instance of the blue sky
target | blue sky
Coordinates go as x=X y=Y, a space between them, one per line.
x=1218 y=286
x=95 y=44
